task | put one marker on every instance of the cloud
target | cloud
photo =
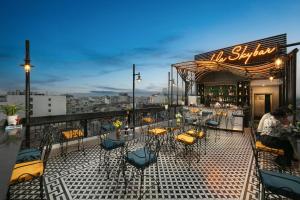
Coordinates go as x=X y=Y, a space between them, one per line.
x=111 y=63
x=49 y=79
x=110 y=88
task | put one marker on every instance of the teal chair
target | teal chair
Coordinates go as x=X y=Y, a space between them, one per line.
x=32 y=154
x=214 y=124
x=141 y=159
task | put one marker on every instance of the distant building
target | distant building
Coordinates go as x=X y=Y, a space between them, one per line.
x=40 y=104
x=158 y=99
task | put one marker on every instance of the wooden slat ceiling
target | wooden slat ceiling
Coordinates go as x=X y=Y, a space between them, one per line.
x=201 y=68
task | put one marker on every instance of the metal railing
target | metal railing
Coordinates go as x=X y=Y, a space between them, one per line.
x=92 y=121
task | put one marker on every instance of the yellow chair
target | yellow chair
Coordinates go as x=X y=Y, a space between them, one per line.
x=199 y=135
x=189 y=139
x=71 y=135
x=29 y=171
x=261 y=147
x=157 y=131
x=148 y=120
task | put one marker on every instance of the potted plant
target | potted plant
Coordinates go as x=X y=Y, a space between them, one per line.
x=11 y=111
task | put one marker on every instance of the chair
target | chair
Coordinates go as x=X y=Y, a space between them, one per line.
x=72 y=134
x=261 y=148
x=199 y=134
x=275 y=182
x=146 y=123
x=189 y=139
x=109 y=144
x=32 y=170
x=31 y=154
x=214 y=123
x=142 y=158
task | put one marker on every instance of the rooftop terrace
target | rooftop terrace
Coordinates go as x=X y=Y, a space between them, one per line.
x=225 y=171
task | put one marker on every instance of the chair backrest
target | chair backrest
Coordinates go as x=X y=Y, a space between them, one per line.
x=255 y=153
x=44 y=138
x=153 y=145
x=48 y=132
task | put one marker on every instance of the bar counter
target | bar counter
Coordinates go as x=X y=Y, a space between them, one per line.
x=10 y=144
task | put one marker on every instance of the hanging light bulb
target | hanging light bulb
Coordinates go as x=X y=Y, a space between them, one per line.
x=271 y=78
x=278 y=62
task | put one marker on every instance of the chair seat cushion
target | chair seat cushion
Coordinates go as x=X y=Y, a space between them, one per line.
x=71 y=134
x=260 y=146
x=27 y=155
x=212 y=123
x=189 y=120
x=26 y=171
x=109 y=144
x=206 y=113
x=185 y=138
x=158 y=131
x=141 y=158
x=194 y=133
x=148 y=120
x=281 y=183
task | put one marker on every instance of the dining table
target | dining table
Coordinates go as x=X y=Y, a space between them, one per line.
x=10 y=144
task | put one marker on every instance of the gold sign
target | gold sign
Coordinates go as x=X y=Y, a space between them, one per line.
x=242 y=53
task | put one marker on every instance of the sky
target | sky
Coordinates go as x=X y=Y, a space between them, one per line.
x=89 y=46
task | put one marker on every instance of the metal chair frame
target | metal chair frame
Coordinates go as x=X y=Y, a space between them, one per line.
x=65 y=141
x=153 y=144
x=48 y=132
x=264 y=193
x=188 y=148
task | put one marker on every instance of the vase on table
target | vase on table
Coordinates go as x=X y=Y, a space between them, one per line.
x=118 y=133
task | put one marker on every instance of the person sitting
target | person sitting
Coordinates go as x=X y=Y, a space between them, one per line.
x=272 y=130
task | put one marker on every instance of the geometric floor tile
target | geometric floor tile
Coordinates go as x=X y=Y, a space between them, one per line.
x=220 y=174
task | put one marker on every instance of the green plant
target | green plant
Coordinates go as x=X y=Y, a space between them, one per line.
x=10 y=110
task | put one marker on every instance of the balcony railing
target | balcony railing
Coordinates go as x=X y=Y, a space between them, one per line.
x=89 y=121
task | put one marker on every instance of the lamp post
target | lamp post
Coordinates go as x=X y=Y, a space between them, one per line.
x=171 y=83
x=133 y=94
x=27 y=67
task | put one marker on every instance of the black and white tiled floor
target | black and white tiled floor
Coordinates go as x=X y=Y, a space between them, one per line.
x=220 y=174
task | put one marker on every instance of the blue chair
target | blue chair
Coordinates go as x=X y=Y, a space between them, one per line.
x=107 y=146
x=280 y=183
x=214 y=123
x=32 y=154
x=142 y=158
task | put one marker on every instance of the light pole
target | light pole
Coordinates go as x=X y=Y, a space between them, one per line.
x=27 y=67
x=133 y=94
x=170 y=83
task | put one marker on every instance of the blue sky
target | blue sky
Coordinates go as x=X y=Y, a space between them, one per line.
x=84 y=46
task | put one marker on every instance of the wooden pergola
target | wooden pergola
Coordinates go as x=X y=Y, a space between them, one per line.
x=260 y=67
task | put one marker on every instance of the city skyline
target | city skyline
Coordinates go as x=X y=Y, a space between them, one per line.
x=90 y=48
